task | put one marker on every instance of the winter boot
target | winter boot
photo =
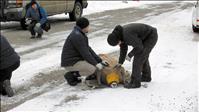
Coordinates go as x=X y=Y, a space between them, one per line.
x=32 y=37
x=39 y=36
x=146 y=79
x=133 y=84
x=8 y=88
x=72 y=78
x=2 y=90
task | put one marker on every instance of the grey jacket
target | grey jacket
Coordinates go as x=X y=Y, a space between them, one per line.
x=135 y=35
x=76 y=48
x=8 y=55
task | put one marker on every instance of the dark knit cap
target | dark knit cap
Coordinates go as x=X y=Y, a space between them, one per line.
x=112 y=39
x=82 y=22
x=117 y=35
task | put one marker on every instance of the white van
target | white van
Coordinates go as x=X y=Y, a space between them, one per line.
x=195 y=17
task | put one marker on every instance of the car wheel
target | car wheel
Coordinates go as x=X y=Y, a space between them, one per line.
x=23 y=24
x=195 y=29
x=77 y=12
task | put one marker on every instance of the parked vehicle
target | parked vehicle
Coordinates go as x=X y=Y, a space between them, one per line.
x=195 y=17
x=15 y=10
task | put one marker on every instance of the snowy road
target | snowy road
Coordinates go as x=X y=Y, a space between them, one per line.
x=39 y=82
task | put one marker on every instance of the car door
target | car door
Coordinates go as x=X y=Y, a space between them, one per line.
x=61 y=6
x=70 y=5
x=49 y=5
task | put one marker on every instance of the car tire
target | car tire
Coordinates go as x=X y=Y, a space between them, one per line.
x=195 y=29
x=77 y=12
x=23 y=24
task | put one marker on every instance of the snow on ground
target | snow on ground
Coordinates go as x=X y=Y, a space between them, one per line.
x=106 y=6
x=101 y=6
x=174 y=67
x=60 y=37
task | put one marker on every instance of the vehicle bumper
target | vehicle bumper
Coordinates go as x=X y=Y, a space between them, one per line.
x=12 y=14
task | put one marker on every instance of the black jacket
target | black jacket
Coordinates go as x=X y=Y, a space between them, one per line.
x=76 y=48
x=8 y=55
x=134 y=35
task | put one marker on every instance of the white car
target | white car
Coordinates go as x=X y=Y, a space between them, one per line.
x=195 y=17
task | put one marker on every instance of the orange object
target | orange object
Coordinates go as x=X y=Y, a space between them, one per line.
x=113 y=77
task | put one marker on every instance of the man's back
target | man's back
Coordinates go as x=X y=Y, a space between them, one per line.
x=141 y=30
x=69 y=53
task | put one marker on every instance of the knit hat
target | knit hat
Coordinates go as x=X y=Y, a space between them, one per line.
x=117 y=35
x=82 y=22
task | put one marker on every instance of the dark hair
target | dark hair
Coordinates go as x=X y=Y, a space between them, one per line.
x=82 y=22
x=33 y=2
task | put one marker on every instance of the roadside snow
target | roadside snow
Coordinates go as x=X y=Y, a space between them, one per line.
x=100 y=6
x=174 y=66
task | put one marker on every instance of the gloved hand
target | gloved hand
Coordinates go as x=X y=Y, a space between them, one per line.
x=28 y=21
x=38 y=25
x=99 y=66
x=128 y=58
x=118 y=65
x=105 y=63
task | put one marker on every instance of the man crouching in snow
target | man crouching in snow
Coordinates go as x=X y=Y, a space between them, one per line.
x=36 y=17
x=142 y=38
x=77 y=57
x=9 y=62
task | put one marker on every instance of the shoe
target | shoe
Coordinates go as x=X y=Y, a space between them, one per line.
x=134 y=84
x=39 y=36
x=2 y=90
x=72 y=78
x=4 y=93
x=8 y=88
x=146 y=79
x=32 y=37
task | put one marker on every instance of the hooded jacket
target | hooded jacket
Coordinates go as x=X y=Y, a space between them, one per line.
x=38 y=15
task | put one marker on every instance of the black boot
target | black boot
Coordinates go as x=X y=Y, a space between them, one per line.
x=133 y=84
x=32 y=37
x=146 y=79
x=2 y=90
x=8 y=89
x=39 y=36
x=72 y=78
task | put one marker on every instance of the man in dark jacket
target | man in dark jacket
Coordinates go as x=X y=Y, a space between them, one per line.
x=9 y=61
x=142 y=38
x=77 y=57
x=36 y=17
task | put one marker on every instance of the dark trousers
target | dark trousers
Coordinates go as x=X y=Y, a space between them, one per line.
x=141 y=66
x=31 y=27
x=6 y=74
